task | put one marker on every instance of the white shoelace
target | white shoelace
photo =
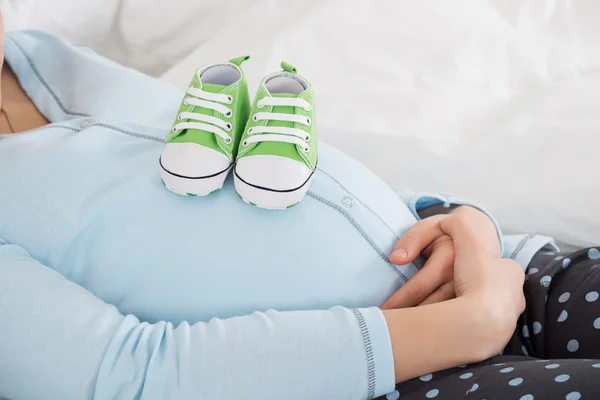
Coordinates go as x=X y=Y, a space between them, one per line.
x=280 y=133
x=200 y=98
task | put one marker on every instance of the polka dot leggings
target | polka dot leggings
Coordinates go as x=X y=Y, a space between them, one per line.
x=553 y=354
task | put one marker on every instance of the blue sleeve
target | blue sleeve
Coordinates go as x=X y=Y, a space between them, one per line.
x=59 y=341
x=418 y=201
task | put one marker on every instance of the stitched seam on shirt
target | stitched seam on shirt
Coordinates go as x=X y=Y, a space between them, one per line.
x=360 y=230
x=45 y=84
x=43 y=127
x=360 y=201
x=370 y=359
x=520 y=246
x=129 y=133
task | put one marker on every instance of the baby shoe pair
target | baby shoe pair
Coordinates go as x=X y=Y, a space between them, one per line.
x=270 y=145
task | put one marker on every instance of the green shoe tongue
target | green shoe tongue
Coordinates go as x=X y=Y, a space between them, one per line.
x=204 y=138
x=213 y=87
x=283 y=110
x=281 y=148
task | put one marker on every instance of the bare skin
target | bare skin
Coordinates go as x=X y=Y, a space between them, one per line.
x=17 y=112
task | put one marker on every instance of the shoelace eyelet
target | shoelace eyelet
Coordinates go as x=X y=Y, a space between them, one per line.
x=306 y=149
x=174 y=130
x=228 y=114
x=228 y=127
x=307 y=138
x=307 y=108
x=250 y=131
x=259 y=104
x=308 y=121
x=255 y=118
x=179 y=117
x=227 y=141
x=245 y=143
x=229 y=99
x=185 y=101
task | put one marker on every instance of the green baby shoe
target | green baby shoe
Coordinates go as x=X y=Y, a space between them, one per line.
x=202 y=145
x=277 y=156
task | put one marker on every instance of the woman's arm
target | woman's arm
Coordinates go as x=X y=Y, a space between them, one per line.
x=59 y=341
x=439 y=336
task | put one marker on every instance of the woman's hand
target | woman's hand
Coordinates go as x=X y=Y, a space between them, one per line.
x=470 y=328
x=434 y=282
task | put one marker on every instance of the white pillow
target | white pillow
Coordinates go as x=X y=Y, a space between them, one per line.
x=150 y=36
x=85 y=23
x=498 y=101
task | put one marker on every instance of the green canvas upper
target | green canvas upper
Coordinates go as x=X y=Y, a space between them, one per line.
x=240 y=107
x=283 y=149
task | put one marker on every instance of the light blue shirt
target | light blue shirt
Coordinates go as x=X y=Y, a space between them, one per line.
x=111 y=287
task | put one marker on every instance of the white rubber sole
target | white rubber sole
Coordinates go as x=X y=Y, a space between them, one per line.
x=267 y=198
x=193 y=186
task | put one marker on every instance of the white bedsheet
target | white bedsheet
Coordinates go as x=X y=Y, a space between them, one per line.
x=497 y=100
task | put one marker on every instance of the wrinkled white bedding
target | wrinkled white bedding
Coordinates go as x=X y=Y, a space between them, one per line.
x=496 y=100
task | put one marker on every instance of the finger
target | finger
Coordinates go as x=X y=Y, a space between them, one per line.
x=442 y=241
x=443 y=293
x=436 y=271
x=467 y=243
x=416 y=239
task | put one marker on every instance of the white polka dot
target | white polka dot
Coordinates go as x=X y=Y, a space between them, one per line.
x=592 y=297
x=593 y=254
x=507 y=370
x=462 y=366
x=564 y=297
x=395 y=395
x=573 y=396
x=426 y=378
x=566 y=262
x=497 y=365
x=563 y=316
x=537 y=328
x=515 y=382
x=552 y=366
x=597 y=323
x=545 y=281
x=524 y=350
x=573 y=345
x=473 y=388
x=432 y=393
x=541 y=361
x=562 y=378
x=526 y=397
x=595 y=365
x=533 y=271
x=466 y=376
x=525 y=331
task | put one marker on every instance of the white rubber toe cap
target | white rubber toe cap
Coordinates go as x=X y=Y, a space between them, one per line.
x=272 y=172
x=192 y=160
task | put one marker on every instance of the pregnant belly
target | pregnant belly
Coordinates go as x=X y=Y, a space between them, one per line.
x=197 y=265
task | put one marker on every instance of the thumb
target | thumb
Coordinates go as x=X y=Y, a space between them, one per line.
x=467 y=243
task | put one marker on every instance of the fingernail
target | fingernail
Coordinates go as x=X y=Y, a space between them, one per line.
x=399 y=253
